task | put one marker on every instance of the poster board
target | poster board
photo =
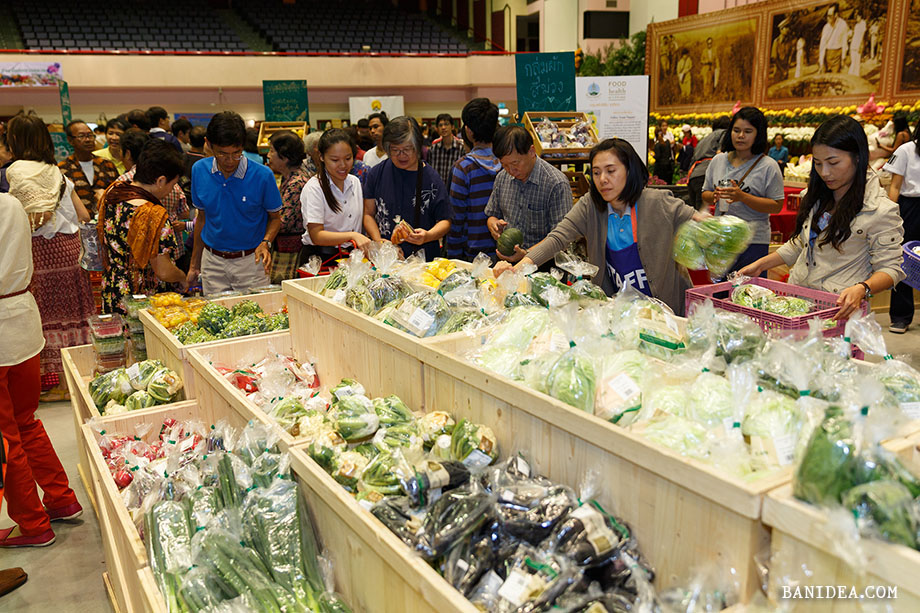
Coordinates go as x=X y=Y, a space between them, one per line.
x=360 y=107
x=617 y=105
x=286 y=100
x=771 y=55
x=30 y=74
x=545 y=81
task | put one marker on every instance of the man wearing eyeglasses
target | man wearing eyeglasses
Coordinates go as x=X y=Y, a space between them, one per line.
x=90 y=174
x=238 y=212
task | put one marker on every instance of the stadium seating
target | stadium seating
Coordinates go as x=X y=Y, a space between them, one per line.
x=307 y=26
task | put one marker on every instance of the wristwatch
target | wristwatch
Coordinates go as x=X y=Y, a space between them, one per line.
x=868 y=291
x=267 y=242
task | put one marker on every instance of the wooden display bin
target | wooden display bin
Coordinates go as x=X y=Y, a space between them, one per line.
x=802 y=544
x=79 y=363
x=684 y=513
x=564 y=121
x=125 y=553
x=163 y=346
x=267 y=128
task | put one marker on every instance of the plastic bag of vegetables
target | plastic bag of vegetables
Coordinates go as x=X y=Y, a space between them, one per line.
x=392 y=411
x=719 y=240
x=113 y=385
x=335 y=283
x=583 y=271
x=750 y=294
x=772 y=424
x=473 y=444
x=354 y=417
x=619 y=389
x=733 y=336
x=140 y=373
x=164 y=386
x=434 y=424
x=885 y=509
x=139 y=400
x=572 y=379
x=463 y=320
x=389 y=286
x=788 y=306
x=452 y=518
x=422 y=314
x=589 y=536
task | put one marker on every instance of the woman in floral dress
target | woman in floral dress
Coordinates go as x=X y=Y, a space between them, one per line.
x=286 y=153
x=139 y=244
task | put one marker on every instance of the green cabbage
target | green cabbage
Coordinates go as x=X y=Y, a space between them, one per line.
x=573 y=381
x=711 y=400
x=752 y=295
x=671 y=399
x=771 y=415
x=521 y=326
x=682 y=435
x=686 y=250
x=887 y=509
x=502 y=359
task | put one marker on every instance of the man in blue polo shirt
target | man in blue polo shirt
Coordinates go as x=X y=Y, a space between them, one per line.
x=238 y=212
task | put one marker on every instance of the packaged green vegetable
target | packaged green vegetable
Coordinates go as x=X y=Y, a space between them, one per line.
x=389 y=286
x=572 y=378
x=619 y=392
x=711 y=401
x=391 y=411
x=434 y=424
x=139 y=400
x=245 y=307
x=788 y=306
x=885 y=509
x=140 y=373
x=583 y=272
x=422 y=314
x=751 y=295
x=733 y=336
x=473 y=444
x=354 y=417
x=164 y=386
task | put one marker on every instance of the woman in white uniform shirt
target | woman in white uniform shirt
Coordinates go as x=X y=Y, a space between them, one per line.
x=332 y=201
x=904 y=167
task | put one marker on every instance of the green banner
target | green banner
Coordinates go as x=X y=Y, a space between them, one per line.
x=285 y=100
x=66 y=114
x=545 y=81
x=62 y=148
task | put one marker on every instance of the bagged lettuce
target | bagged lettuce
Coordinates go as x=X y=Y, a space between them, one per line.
x=685 y=436
x=772 y=423
x=711 y=400
x=750 y=294
x=713 y=243
x=582 y=287
x=788 y=306
x=619 y=391
x=572 y=379
x=520 y=327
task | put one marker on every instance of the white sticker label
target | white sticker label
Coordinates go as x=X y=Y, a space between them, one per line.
x=491 y=583
x=517 y=588
x=671 y=323
x=134 y=370
x=911 y=409
x=139 y=297
x=522 y=466
x=785 y=449
x=367 y=504
x=477 y=460
x=463 y=565
x=421 y=320
x=599 y=535
x=507 y=496
x=623 y=386
x=339 y=296
x=187 y=444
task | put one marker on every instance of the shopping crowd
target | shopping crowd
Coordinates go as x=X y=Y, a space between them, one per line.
x=168 y=204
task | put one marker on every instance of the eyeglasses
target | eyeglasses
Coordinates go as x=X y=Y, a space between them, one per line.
x=87 y=136
x=403 y=153
x=229 y=156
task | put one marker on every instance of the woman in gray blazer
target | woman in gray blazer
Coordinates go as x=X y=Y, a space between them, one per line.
x=629 y=228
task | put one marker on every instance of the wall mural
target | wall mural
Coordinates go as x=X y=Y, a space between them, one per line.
x=786 y=53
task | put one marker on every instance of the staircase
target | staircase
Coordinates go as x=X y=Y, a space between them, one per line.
x=242 y=29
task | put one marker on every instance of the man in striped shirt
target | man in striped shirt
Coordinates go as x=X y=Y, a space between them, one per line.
x=471 y=183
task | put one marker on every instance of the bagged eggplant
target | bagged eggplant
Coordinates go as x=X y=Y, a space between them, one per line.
x=533 y=581
x=452 y=518
x=396 y=514
x=423 y=482
x=589 y=536
x=466 y=563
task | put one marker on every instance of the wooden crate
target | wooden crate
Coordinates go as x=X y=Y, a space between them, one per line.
x=163 y=346
x=125 y=553
x=268 y=128
x=803 y=551
x=79 y=363
x=685 y=513
x=215 y=393
x=563 y=121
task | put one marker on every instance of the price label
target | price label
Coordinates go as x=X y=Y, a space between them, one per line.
x=911 y=409
x=599 y=535
x=477 y=460
x=134 y=370
x=421 y=320
x=339 y=296
x=522 y=466
x=518 y=588
x=785 y=449
x=139 y=297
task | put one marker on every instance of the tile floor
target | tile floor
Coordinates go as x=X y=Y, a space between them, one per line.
x=67 y=576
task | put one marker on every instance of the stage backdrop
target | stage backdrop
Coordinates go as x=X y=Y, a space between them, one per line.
x=786 y=54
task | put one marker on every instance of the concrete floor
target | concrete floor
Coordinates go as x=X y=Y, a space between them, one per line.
x=67 y=576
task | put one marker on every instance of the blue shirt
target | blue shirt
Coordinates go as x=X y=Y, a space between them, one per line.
x=623 y=262
x=780 y=155
x=619 y=230
x=236 y=208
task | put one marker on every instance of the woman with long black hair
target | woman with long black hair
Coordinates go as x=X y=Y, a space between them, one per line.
x=847 y=233
x=403 y=188
x=904 y=167
x=743 y=181
x=332 y=200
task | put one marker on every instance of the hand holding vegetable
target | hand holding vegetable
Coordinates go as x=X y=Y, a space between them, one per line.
x=518 y=255
x=849 y=300
x=496 y=226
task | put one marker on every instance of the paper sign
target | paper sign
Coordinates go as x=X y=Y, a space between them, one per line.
x=618 y=106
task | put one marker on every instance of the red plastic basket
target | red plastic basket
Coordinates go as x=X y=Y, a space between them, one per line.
x=911 y=264
x=826 y=303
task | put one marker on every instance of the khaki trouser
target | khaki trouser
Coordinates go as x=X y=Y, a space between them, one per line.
x=220 y=275
x=833 y=59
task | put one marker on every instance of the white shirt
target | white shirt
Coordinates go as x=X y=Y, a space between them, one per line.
x=371 y=158
x=88 y=171
x=20 y=322
x=65 y=217
x=350 y=217
x=906 y=162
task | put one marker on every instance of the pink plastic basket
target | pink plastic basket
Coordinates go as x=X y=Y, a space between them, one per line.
x=911 y=264
x=825 y=303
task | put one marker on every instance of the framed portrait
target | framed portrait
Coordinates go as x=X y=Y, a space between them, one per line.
x=830 y=50
x=907 y=56
x=709 y=63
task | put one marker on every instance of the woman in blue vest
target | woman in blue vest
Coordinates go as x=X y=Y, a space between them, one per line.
x=629 y=229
